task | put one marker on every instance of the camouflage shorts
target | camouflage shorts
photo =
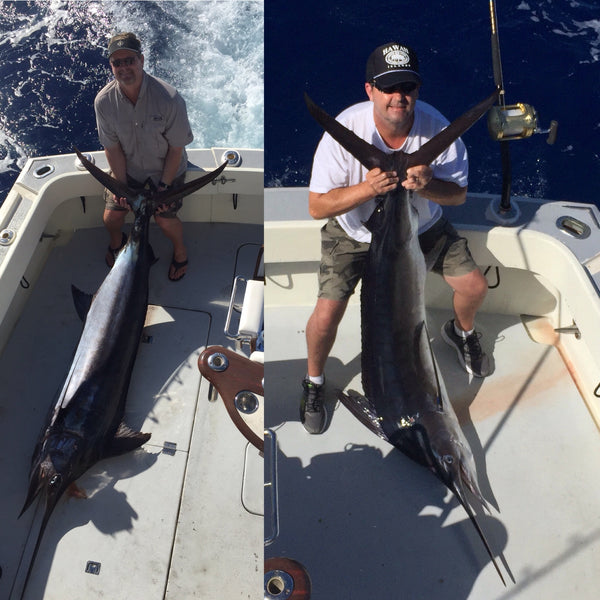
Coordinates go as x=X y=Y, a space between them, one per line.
x=343 y=258
x=110 y=203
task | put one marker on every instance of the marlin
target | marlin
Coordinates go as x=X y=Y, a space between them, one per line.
x=405 y=399
x=85 y=423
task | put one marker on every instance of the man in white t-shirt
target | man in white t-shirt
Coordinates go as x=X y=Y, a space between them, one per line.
x=343 y=191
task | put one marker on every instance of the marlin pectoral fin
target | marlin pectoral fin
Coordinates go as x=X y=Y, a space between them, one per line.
x=82 y=302
x=368 y=155
x=125 y=440
x=429 y=151
x=425 y=359
x=362 y=409
x=110 y=183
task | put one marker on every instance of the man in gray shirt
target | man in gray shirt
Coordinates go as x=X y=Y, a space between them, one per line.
x=143 y=125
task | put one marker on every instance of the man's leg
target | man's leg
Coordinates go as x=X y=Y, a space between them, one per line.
x=342 y=263
x=321 y=330
x=469 y=293
x=114 y=221
x=172 y=227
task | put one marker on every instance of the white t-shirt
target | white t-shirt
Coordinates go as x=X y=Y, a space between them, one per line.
x=333 y=167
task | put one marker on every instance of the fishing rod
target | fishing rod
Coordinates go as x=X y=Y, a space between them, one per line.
x=509 y=122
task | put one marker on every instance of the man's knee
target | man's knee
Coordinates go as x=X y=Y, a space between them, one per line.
x=114 y=218
x=329 y=313
x=479 y=284
x=473 y=284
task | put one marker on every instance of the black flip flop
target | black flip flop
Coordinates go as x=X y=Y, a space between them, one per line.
x=177 y=265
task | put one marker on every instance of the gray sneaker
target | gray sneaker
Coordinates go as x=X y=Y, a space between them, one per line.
x=470 y=355
x=313 y=412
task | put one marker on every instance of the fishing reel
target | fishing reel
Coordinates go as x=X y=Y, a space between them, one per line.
x=506 y=123
x=516 y=122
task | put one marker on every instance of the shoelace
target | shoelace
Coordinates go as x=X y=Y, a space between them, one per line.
x=313 y=401
x=472 y=345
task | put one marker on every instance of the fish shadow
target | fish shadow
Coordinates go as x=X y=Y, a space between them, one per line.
x=464 y=388
x=106 y=507
x=364 y=523
x=383 y=522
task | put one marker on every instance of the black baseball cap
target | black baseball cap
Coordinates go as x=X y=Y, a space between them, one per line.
x=392 y=63
x=124 y=41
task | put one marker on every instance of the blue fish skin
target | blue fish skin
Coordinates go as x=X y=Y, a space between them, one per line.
x=405 y=399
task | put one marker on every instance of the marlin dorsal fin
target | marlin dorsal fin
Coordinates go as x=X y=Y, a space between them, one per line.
x=82 y=302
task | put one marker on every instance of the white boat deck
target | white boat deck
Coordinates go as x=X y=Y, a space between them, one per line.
x=158 y=523
x=364 y=520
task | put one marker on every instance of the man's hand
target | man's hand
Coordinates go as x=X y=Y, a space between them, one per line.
x=122 y=202
x=382 y=182
x=417 y=178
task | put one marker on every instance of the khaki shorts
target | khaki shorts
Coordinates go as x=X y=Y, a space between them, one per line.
x=343 y=258
x=135 y=186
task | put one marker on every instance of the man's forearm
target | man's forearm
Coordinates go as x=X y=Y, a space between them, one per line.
x=171 y=166
x=341 y=200
x=338 y=201
x=117 y=162
x=445 y=193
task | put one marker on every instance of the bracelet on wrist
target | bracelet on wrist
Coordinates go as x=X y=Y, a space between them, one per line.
x=162 y=184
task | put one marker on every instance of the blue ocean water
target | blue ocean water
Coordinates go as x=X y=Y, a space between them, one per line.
x=551 y=60
x=53 y=62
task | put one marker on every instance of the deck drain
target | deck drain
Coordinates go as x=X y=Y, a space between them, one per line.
x=92 y=567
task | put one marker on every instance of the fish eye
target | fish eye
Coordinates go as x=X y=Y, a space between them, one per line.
x=448 y=459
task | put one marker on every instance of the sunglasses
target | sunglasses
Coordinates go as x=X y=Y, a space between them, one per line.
x=123 y=62
x=407 y=87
